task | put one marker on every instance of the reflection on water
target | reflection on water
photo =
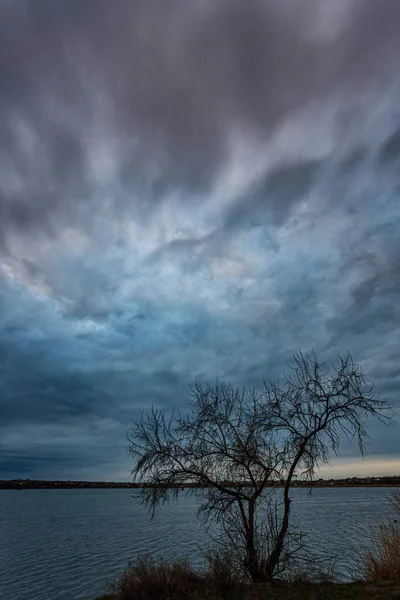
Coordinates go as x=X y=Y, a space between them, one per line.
x=64 y=544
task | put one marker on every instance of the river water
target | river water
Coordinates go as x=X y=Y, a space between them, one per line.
x=65 y=544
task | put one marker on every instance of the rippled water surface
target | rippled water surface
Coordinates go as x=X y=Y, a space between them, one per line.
x=65 y=544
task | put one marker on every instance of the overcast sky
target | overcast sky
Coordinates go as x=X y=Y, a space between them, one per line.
x=190 y=188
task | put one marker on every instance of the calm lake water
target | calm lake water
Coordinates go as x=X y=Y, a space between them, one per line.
x=65 y=544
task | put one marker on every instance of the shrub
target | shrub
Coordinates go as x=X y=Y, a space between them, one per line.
x=146 y=579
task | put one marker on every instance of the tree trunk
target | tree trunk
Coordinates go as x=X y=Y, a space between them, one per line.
x=252 y=562
x=273 y=560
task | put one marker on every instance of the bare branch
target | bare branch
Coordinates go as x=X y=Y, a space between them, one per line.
x=233 y=444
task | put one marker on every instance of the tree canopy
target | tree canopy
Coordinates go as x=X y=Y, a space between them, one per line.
x=233 y=443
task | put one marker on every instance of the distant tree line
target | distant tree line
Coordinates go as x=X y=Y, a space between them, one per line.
x=15 y=484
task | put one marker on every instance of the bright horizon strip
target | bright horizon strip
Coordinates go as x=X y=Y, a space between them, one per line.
x=368 y=467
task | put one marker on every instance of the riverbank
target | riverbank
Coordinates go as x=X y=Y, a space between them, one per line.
x=376 y=577
x=294 y=591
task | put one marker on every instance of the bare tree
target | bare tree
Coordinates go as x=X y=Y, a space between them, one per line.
x=235 y=445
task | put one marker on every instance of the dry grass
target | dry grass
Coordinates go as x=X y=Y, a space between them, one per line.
x=383 y=564
x=147 y=579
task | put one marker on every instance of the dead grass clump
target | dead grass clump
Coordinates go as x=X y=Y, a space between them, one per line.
x=383 y=564
x=146 y=579
x=221 y=577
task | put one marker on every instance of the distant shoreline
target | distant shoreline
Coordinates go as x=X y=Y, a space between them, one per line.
x=30 y=484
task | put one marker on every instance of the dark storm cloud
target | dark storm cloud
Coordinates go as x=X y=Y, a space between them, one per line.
x=390 y=151
x=188 y=188
x=282 y=187
x=173 y=77
x=375 y=299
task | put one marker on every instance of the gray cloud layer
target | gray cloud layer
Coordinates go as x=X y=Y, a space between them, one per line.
x=188 y=188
